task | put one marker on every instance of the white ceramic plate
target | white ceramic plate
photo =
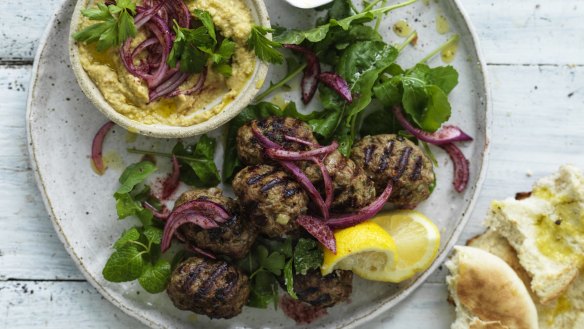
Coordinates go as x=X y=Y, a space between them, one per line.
x=62 y=123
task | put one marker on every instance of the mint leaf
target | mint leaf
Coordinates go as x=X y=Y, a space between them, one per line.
x=155 y=277
x=153 y=234
x=124 y=265
x=289 y=279
x=126 y=206
x=134 y=175
x=307 y=256
x=130 y=235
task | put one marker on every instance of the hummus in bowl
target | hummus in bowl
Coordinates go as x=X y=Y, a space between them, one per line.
x=130 y=102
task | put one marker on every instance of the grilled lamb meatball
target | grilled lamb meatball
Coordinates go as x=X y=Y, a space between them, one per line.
x=352 y=188
x=233 y=238
x=270 y=198
x=275 y=128
x=324 y=291
x=386 y=157
x=213 y=288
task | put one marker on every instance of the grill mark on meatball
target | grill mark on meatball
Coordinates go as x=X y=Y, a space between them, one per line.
x=273 y=183
x=193 y=275
x=369 y=150
x=255 y=179
x=227 y=290
x=384 y=160
x=209 y=284
x=402 y=164
x=417 y=172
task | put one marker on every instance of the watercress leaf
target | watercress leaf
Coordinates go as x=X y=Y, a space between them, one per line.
x=362 y=57
x=438 y=109
x=207 y=21
x=445 y=77
x=340 y=9
x=124 y=265
x=274 y=262
x=394 y=69
x=414 y=99
x=327 y=123
x=264 y=48
x=264 y=290
x=389 y=92
x=289 y=279
x=154 y=278
x=307 y=256
x=130 y=235
x=379 y=122
x=153 y=234
x=135 y=174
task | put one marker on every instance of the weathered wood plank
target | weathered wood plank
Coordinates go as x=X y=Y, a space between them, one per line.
x=21 y=26
x=58 y=305
x=64 y=305
x=510 y=32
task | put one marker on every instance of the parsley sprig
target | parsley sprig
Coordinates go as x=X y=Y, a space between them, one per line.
x=117 y=24
x=193 y=48
x=265 y=49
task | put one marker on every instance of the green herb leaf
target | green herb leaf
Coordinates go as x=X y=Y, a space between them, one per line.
x=126 y=205
x=289 y=279
x=135 y=174
x=154 y=278
x=307 y=255
x=116 y=25
x=153 y=234
x=273 y=262
x=198 y=164
x=124 y=265
x=264 y=290
x=207 y=21
x=130 y=235
x=264 y=48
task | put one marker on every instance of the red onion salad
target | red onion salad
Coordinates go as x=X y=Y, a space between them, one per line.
x=311 y=76
x=97 y=147
x=156 y=18
x=205 y=214
x=444 y=138
x=295 y=171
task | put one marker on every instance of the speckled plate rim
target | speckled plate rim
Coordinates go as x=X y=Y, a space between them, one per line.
x=354 y=323
x=93 y=93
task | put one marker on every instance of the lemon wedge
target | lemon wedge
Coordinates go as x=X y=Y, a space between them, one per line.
x=417 y=240
x=366 y=249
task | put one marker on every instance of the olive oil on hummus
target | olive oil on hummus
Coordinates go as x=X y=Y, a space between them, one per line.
x=128 y=94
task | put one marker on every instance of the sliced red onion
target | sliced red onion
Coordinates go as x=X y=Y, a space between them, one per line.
x=343 y=221
x=328 y=183
x=294 y=170
x=168 y=86
x=204 y=207
x=200 y=251
x=162 y=215
x=97 y=147
x=461 y=169
x=174 y=223
x=161 y=31
x=180 y=12
x=319 y=229
x=197 y=88
x=171 y=183
x=143 y=45
x=336 y=83
x=311 y=72
x=281 y=154
x=447 y=134
x=300 y=141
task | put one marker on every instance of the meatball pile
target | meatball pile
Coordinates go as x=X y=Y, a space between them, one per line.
x=269 y=201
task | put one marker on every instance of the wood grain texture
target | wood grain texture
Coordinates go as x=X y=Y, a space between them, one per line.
x=510 y=32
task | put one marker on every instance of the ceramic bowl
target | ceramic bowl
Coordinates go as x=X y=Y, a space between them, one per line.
x=260 y=16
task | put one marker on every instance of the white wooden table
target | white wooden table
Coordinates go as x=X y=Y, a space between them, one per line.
x=535 y=52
